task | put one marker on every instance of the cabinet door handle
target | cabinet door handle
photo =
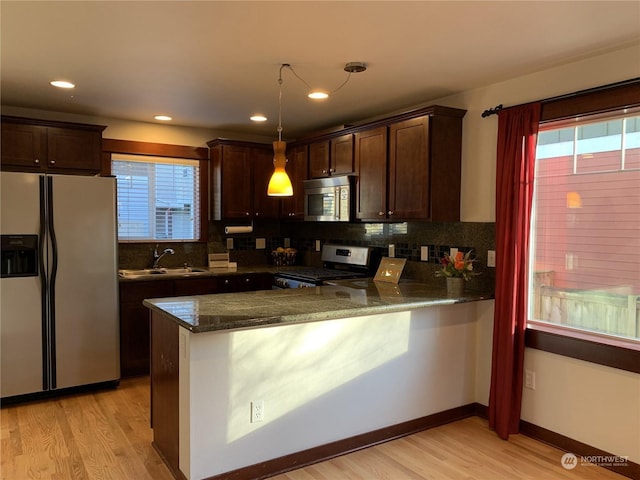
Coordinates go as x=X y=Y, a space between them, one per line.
x=52 y=162
x=257 y=213
x=331 y=170
x=324 y=172
x=390 y=212
x=247 y=213
x=247 y=280
x=381 y=214
x=36 y=161
x=226 y=282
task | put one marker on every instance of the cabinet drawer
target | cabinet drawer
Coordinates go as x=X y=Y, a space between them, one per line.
x=245 y=283
x=196 y=286
x=138 y=291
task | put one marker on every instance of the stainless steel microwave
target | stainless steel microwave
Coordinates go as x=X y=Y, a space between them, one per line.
x=329 y=199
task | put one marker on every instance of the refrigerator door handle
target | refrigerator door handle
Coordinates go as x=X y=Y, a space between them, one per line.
x=52 y=283
x=44 y=287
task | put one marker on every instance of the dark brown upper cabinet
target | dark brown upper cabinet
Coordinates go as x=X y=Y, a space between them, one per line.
x=409 y=169
x=331 y=157
x=371 y=174
x=240 y=173
x=409 y=179
x=39 y=146
x=297 y=168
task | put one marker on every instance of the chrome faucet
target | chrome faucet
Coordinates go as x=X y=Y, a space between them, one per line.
x=156 y=257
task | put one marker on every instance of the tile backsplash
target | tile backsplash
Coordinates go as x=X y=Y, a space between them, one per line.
x=407 y=237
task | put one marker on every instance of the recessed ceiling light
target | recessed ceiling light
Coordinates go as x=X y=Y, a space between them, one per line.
x=258 y=117
x=163 y=118
x=318 y=95
x=62 y=84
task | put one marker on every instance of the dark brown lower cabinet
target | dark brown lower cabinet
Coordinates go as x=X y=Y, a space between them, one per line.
x=245 y=283
x=134 y=317
x=134 y=323
x=165 y=389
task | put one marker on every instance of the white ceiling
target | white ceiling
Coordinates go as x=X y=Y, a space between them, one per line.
x=212 y=63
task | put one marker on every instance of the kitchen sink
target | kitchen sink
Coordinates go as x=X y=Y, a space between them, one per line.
x=182 y=271
x=162 y=271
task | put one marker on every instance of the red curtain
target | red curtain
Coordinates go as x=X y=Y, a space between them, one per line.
x=517 y=136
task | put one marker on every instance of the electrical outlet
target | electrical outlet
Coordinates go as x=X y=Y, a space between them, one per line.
x=453 y=251
x=424 y=253
x=257 y=411
x=229 y=243
x=392 y=250
x=261 y=243
x=530 y=379
x=491 y=258
x=286 y=243
x=317 y=245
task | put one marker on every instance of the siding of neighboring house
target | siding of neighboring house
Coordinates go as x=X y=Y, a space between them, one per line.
x=588 y=222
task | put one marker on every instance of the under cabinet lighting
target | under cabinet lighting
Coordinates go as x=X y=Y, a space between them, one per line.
x=163 y=118
x=258 y=117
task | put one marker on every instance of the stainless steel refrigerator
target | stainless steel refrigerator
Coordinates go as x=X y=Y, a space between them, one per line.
x=58 y=285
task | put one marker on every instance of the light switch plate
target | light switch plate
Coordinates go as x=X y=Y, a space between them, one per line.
x=392 y=250
x=453 y=252
x=261 y=243
x=491 y=258
x=287 y=243
x=229 y=243
x=317 y=245
x=424 y=253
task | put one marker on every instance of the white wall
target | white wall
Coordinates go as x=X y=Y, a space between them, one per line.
x=597 y=405
x=320 y=382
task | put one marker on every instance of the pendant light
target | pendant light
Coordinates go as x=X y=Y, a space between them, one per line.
x=280 y=183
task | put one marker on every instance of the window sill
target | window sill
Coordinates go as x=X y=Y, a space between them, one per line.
x=617 y=353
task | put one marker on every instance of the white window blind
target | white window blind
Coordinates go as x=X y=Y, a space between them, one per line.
x=158 y=197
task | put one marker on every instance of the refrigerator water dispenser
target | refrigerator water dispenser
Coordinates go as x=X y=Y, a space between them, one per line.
x=19 y=256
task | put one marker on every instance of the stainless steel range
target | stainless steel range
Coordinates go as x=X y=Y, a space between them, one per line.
x=339 y=262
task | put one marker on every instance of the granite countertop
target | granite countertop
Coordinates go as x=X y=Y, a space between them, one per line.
x=211 y=272
x=229 y=311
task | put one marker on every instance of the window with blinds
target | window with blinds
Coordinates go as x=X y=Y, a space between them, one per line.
x=585 y=229
x=158 y=197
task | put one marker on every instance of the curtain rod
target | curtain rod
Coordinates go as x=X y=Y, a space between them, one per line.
x=495 y=110
x=492 y=111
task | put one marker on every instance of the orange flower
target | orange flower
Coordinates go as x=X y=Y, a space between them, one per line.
x=459 y=261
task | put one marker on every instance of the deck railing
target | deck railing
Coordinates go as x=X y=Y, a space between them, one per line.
x=606 y=312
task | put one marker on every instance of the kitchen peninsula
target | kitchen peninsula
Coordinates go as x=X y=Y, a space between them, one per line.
x=248 y=384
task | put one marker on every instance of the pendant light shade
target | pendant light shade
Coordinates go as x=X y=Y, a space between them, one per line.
x=279 y=184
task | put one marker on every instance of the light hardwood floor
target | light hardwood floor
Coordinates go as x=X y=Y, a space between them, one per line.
x=106 y=435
